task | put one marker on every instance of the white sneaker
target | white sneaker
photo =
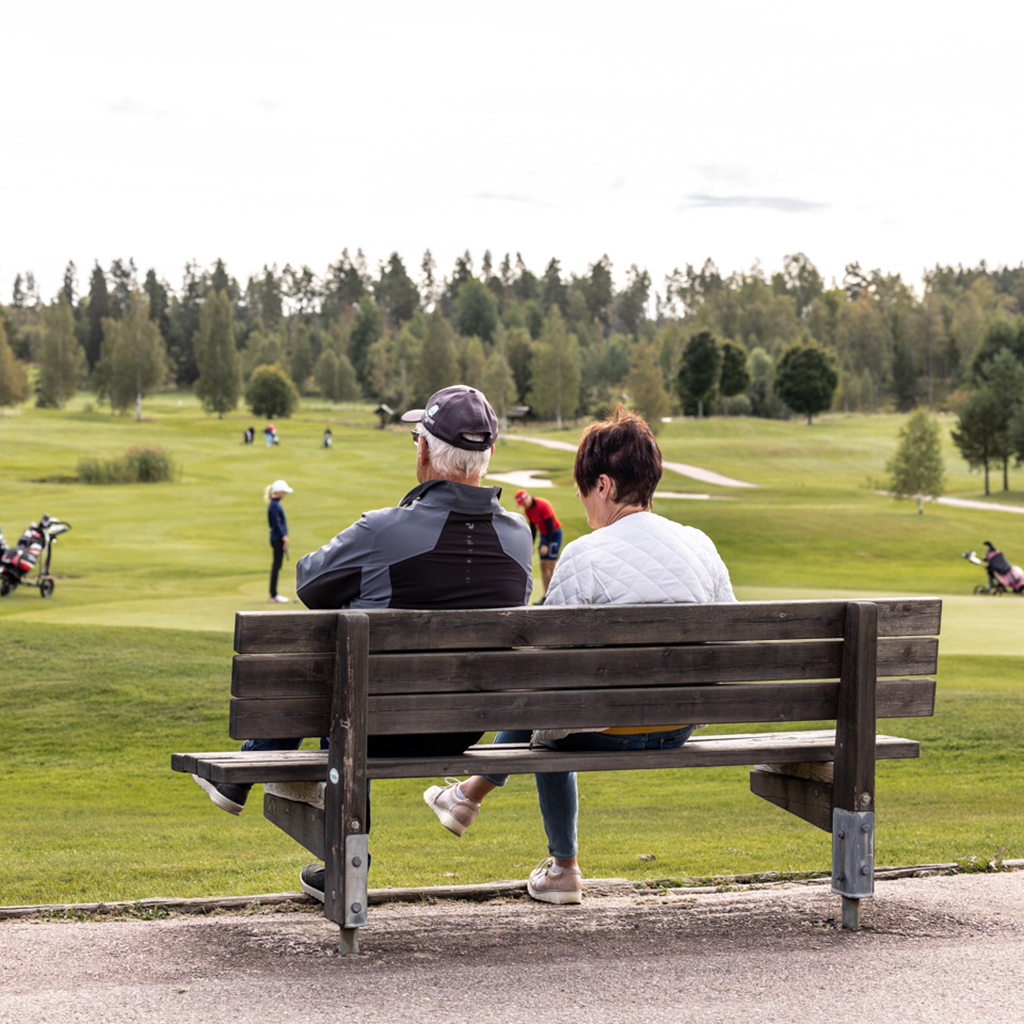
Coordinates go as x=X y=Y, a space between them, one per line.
x=565 y=887
x=456 y=815
x=279 y=599
x=311 y=793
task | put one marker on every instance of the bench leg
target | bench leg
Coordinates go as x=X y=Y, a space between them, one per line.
x=851 y=914
x=349 y=941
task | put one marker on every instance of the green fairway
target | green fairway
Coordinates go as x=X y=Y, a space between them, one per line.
x=130 y=659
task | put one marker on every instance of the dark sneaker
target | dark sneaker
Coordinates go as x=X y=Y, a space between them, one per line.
x=311 y=878
x=227 y=796
x=565 y=887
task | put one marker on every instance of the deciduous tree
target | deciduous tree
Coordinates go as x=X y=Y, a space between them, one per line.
x=556 y=371
x=981 y=430
x=439 y=359
x=646 y=385
x=62 y=363
x=133 y=362
x=13 y=381
x=916 y=468
x=499 y=386
x=271 y=393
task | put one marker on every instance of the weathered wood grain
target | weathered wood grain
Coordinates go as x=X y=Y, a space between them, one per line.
x=258 y=676
x=314 y=632
x=305 y=824
x=806 y=798
x=811 y=745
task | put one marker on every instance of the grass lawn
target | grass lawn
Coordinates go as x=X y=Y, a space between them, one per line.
x=129 y=660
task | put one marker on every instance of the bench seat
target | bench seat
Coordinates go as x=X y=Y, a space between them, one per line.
x=517 y=758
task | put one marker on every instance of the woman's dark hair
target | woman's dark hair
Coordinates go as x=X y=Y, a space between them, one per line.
x=623 y=447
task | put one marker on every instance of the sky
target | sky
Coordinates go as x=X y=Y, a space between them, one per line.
x=658 y=133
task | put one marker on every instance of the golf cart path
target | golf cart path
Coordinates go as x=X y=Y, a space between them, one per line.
x=936 y=949
x=989 y=506
x=706 y=476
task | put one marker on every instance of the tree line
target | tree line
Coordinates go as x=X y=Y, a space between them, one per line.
x=564 y=344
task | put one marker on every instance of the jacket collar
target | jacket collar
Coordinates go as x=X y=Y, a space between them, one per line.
x=450 y=494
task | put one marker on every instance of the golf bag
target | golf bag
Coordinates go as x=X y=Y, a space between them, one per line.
x=32 y=551
x=1002 y=576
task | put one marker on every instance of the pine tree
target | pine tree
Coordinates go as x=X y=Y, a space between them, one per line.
x=734 y=378
x=62 y=363
x=805 y=379
x=133 y=362
x=99 y=307
x=301 y=360
x=557 y=371
x=13 y=381
x=367 y=327
x=698 y=375
x=916 y=468
x=220 y=364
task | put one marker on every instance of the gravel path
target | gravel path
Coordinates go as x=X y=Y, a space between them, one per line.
x=947 y=949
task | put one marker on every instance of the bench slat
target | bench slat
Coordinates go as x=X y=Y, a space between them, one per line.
x=304 y=632
x=699 y=752
x=444 y=712
x=545 y=668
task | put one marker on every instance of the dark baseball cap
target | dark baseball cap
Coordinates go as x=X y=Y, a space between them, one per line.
x=454 y=412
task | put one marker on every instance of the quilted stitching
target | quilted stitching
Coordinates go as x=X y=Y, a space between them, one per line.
x=642 y=559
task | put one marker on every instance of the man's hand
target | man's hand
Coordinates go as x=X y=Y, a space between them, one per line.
x=543 y=550
x=284 y=542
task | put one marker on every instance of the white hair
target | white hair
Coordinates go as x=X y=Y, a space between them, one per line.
x=450 y=461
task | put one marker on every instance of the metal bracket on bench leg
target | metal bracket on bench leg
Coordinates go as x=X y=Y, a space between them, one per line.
x=853 y=853
x=356 y=856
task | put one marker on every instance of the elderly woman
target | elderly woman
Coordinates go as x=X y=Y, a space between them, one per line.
x=632 y=557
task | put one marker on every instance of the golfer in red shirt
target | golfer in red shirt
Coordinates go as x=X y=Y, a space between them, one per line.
x=541 y=516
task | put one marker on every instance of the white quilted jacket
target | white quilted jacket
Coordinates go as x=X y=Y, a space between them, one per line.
x=642 y=559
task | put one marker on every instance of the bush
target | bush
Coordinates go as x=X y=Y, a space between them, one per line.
x=271 y=393
x=143 y=465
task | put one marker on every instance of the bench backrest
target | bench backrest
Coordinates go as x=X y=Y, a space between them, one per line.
x=621 y=665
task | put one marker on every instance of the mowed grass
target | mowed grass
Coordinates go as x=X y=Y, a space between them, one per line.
x=93 y=812
x=130 y=659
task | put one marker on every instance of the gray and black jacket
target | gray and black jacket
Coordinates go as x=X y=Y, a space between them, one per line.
x=445 y=545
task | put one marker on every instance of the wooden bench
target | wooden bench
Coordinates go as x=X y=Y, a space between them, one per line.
x=351 y=673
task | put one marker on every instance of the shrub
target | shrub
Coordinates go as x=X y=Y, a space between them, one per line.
x=271 y=393
x=142 y=465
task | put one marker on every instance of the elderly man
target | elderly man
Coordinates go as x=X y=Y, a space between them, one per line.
x=447 y=544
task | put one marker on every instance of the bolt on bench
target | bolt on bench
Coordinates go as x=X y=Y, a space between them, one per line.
x=348 y=674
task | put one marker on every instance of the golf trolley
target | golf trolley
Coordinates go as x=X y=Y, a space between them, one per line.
x=33 y=551
x=1003 y=577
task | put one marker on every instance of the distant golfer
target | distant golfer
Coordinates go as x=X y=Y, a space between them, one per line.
x=541 y=516
x=278 y=533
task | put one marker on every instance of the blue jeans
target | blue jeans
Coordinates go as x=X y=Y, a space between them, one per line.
x=556 y=791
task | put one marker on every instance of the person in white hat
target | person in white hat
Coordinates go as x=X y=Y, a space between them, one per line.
x=278 y=533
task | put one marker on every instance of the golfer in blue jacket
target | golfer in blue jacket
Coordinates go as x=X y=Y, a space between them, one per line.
x=278 y=533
